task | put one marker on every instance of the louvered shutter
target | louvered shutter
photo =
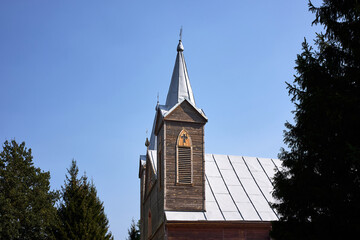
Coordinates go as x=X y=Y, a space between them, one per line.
x=184 y=165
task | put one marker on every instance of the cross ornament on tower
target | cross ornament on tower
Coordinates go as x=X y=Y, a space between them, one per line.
x=184 y=138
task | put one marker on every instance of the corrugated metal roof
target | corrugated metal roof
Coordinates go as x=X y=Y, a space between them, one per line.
x=237 y=189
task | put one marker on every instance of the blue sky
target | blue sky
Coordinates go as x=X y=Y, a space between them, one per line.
x=79 y=79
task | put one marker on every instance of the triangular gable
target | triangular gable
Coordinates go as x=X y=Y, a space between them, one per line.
x=185 y=112
x=186 y=107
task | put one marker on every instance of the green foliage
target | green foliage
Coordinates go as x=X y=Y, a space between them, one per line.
x=81 y=212
x=26 y=203
x=319 y=188
x=134 y=231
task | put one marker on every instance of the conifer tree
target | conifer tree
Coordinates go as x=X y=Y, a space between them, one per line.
x=81 y=212
x=27 y=208
x=319 y=187
x=134 y=231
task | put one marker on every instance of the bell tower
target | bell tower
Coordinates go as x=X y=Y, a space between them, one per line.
x=179 y=128
x=172 y=172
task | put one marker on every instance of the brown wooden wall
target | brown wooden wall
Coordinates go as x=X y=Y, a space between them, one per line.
x=185 y=112
x=153 y=201
x=218 y=231
x=186 y=197
x=169 y=195
x=142 y=194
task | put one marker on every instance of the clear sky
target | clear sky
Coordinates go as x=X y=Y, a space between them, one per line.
x=79 y=79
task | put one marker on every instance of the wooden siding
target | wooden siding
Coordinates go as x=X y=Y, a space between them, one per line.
x=185 y=112
x=154 y=202
x=184 y=197
x=142 y=198
x=165 y=193
x=218 y=231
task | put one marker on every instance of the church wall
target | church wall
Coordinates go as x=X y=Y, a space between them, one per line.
x=160 y=233
x=184 y=197
x=142 y=190
x=161 y=167
x=163 y=192
x=185 y=112
x=218 y=231
x=154 y=202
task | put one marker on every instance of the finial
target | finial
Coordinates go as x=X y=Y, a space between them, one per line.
x=147 y=143
x=157 y=102
x=180 y=47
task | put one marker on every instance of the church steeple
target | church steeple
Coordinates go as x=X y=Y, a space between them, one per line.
x=180 y=87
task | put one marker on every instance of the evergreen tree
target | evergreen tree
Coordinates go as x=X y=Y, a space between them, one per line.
x=27 y=208
x=81 y=212
x=319 y=186
x=134 y=231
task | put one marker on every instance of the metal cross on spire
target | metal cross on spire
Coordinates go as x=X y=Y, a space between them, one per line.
x=180 y=33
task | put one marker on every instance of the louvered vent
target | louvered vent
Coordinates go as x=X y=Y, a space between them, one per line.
x=184 y=165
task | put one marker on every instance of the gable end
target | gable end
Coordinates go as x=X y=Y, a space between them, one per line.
x=185 y=112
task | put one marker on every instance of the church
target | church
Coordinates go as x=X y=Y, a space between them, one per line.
x=186 y=193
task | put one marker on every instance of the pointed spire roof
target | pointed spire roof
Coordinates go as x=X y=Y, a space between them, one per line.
x=180 y=87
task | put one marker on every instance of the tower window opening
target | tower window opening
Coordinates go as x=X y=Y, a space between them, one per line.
x=184 y=159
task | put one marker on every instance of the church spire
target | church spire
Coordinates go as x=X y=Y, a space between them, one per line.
x=180 y=87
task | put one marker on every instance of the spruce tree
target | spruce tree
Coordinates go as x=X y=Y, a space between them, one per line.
x=27 y=208
x=81 y=212
x=319 y=186
x=134 y=231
